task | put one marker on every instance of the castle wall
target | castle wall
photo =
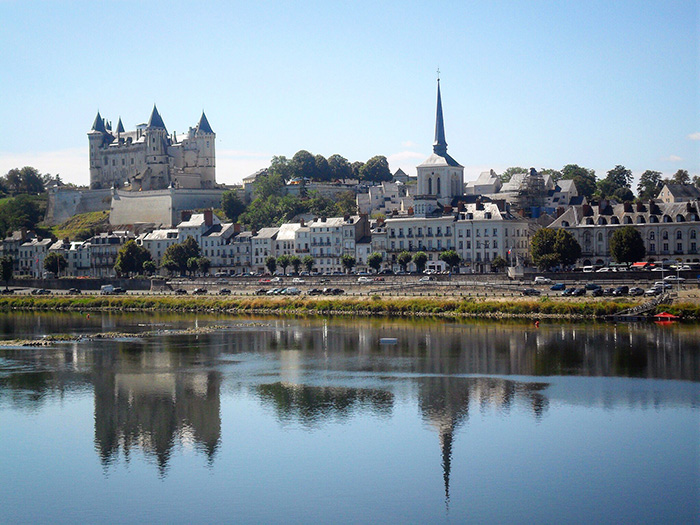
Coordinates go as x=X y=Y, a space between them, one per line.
x=65 y=203
x=160 y=207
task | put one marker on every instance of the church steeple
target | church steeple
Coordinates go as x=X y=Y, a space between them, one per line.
x=440 y=144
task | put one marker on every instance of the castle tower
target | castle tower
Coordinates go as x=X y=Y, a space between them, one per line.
x=96 y=138
x=440 y=176
x=206 y=159
x=157 y=142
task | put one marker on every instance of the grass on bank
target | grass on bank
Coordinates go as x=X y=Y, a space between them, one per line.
x=82 y=226
x=464 y=307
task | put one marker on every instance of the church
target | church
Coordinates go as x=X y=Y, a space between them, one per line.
x=149 y=158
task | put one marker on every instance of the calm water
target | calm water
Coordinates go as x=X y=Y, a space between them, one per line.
x=302 y=421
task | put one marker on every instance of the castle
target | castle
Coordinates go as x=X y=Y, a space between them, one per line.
x=149 y=158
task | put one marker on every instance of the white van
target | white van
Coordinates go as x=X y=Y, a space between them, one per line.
x=107 y=289
x=588 y=269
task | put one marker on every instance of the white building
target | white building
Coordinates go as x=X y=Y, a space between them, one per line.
x=32 y=255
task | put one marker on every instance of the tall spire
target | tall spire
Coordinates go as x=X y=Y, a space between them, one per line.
x=99 y=124
x=120 y=126
x=203 y=124
x=440 y=145
x=155 y=121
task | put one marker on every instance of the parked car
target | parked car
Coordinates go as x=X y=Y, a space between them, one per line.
x=7 y=291
x=199 y=291
x=664 y=285
x=426 y=279
x=364 y=280
x=578 y=292
x=568 y=292
x=621 y=290
x=636 y=291
x=74 y=291
x=654 y=291
x=592 y=286
x=608 y=291
x=598 y=292
x=379 y=278
x=337 y=291
x=261 y=291
x=224 y=291
x=118 y=290
x=315 y=291
x=531 y=291
x=542 y=280
x=180 y=291
x=298 y=280
x=41 y=291
x=558 y=287
x=292 y=290
x=674 y=279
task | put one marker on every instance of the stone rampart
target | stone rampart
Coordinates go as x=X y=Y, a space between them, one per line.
x=64 y=203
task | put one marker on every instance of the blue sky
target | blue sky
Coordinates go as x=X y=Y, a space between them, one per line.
x=536 y=83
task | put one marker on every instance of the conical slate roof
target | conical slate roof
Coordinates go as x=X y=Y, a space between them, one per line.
x=99 y=124
x=120 y=126
x=203 y=124
x=155 y=121
x=439 y=156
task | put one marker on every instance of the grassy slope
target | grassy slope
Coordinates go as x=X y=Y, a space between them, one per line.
x=94 y=221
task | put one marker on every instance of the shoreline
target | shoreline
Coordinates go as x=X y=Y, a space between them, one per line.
x=445 y=307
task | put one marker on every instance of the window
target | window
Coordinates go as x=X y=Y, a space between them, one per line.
x=664 y=235
x=495 y=232
x=679 y=247
x=469 y=245
x=693 y=234
x=679 y=235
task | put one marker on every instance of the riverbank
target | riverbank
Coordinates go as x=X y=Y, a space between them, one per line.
x=587 y=308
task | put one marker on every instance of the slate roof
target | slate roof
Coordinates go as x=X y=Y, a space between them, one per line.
x=203 y=124
x=155 y=122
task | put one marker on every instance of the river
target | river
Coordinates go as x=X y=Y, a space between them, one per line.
x=273 y=420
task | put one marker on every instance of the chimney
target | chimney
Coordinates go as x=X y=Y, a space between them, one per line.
x=587 y=210
x=237 y=228
x=346 y=217
x=208 y=217
x=640 y=206
x=447 y=210
x=301 y=222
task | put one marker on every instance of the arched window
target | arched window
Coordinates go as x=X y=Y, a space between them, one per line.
x=600 y=237
x=602 y=221
x=680 y=218
x=589 y=221
x=666 y=218
x=438 y=185
x=565 y=224
x=652 y=236
x=664 y=235
x=627 y=219
x=430 y=185
x=641 y=219
x=614 y=220
x=653 y=218
x=693 y=234
x=679 y=235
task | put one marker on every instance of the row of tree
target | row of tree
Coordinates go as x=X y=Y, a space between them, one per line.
x=305 y=165
x=617 y=183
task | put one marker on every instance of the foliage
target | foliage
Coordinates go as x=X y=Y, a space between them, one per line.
x=308 y=262
x=375 y=260
x=6 y=268
x=649 y=185
x=508 y=174
x=340 y=168
x=176 y=256
x=627 y=245
x=450 y=258
x=203 y=265
x=192 y=264
x=23 y=211
x=498 y=263
x=583 y=178
x=25 y=180
x=403 y=259
x=566 y=247
x=295 y=261
x=322 y=171
x=232 y=205
x=150 y=267
x=681 y=177
x=348 y=262
x=376 y=169
x=613 y=186
x=131 y=258
x=555 y=174
x=271 y=264
x=303 y=164
x=420 y=259
x=550 y=247
x=55 y=263
x=283 y=261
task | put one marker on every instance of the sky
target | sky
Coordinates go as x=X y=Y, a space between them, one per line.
x=532 y=83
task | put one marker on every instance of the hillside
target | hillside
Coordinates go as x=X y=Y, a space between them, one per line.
x=83 y=226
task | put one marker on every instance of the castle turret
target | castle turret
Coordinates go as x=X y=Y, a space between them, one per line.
x=157 y=142
x=206 y=159
x=96 y=138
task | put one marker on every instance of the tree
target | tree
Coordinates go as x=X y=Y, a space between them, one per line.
x=566 y=247
x=55 y=263
x=130 y=258
x=232 y=205
x=627 y=245
x=6 y=269
x=192 y=265
x=303 y=164
x=556 y=175
x=203 y=265
x=282 y=167
x=339 y=167
x=348 y=262
x=649 y=185
x=419 y=259
x=283 y=261
x=271 y=264
x=498 y=263
x=191 y=247
x=295 y=261
x=25 y=180
x=376 y=169
x=681 y=177
x=584 y=179
x=150 y=267
x=508 y=174
x=322 y=171
x=620 y=176
x=403 y=259
x=375 y=260
x=623 y=195
x=450 y=258
x=308 y=262
x=175 y=259
x=542 y=248
x=356 y=169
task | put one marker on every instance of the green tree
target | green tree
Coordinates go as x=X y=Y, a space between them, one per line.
x=375 y=260
x=282 y=167
x=498 y=263
x=232 y=205
x=348 y=262
x=357 y=169
x=420 y=259
x=192 y=265
x=322 y=170
x=584 y=179
x=303 y=164
x=620 y=176
x=376 y=169
x=339 y=167
x=555 y=174
x=25 y=180
x=623 y=195
x=649 y=185
x=508 y=174
x=130 y=258
x=346 y=204
x=203 y=265
x=6 y=269
x=150 y=267
x=191 y=247
x=271 y=264
x=627 y=245
x=22 y=211
x=295 y=261
x=308 y=262
x=542 y=248
x=403 y=259
x=566 y=247
x=175 y=259
x=55 y=263
x=283 y=261
x=450 y=258
x=681 y=177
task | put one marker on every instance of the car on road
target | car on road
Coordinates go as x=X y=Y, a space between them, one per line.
x=364 y=280
x=261 y=291
x=592 y=286
x=292 y=290
x=298 y=280
x=264 y=281
x=674 y=279
x=224 y=291
x=199 y=291
x=636 y=291
x=579 y=292
x=379 y=278
x=41 y=291
x=74 y=291
x=568 y=292
x=531 y=291
x=621 y=290
x=558 y=287
x=426 y=279
x=597 y=292
x=654 y=291
x=315 y=291
x=542 y=280
x=664 y=285
x=118 y=290
x=180 y=291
